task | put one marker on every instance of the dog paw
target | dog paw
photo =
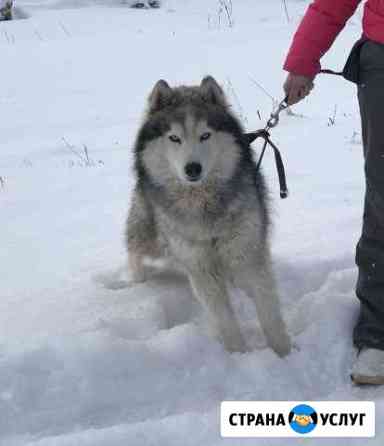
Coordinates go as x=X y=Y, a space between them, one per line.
x=283 y=348
x=235 y=344
x=121 y=284
x=119 y=279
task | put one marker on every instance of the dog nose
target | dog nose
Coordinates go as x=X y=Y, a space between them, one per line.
x=193 y=171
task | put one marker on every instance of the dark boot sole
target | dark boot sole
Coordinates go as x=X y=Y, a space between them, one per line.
x=368 y=380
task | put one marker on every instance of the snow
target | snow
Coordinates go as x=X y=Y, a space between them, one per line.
x=82 y=364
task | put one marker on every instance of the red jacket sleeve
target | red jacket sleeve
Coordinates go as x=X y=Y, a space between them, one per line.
x=319 y=28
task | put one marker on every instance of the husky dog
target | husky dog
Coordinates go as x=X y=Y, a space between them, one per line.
x=200 y=205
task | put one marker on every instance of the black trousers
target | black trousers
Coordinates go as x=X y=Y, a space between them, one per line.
x=369 y=330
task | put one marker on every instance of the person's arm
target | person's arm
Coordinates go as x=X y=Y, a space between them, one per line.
x=316 y=33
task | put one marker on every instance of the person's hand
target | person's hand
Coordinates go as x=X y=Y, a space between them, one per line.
x=297 y=87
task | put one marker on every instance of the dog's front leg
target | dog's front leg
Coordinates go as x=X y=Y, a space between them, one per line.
x=259 y=284
x=141 y=239
x=211 y=291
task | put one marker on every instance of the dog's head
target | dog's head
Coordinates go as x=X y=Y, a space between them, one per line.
x=189 y=135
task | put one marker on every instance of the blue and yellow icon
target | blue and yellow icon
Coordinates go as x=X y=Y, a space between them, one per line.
x=303 y=419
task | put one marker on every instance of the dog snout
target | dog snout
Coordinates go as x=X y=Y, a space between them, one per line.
x=193 y=171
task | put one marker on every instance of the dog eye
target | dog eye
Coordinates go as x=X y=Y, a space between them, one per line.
x=205 y=136
x=175 y=139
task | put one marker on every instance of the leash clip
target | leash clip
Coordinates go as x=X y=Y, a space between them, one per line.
x=275 y=116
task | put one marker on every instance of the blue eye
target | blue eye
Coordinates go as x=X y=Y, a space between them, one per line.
x=175 y=139
x=205 y=136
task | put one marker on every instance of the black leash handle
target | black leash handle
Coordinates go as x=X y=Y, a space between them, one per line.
x=280 y=170
x=251 y=137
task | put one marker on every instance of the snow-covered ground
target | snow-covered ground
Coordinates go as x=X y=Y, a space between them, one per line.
x=81 y=364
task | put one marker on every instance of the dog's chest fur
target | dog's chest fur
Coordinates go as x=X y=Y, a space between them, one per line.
x=196 y=231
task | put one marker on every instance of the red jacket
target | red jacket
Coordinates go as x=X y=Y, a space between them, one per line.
x=320 y=26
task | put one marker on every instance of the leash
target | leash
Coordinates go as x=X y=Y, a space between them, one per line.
x=335 y=73
x=264 y=133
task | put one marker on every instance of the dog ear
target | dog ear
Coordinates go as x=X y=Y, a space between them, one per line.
x=212 y=91
x=160 y=96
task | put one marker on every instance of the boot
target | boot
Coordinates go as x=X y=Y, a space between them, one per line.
x=368 y=367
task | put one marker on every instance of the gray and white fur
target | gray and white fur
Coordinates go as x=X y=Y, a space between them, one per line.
x=199 y=205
